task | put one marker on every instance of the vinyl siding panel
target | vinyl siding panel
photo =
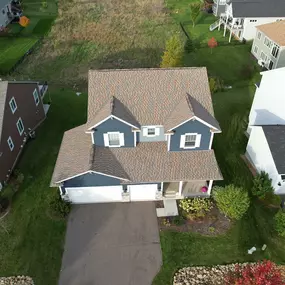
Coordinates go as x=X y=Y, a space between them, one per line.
x=114 y=125
x=191 y=127
x=159 y=138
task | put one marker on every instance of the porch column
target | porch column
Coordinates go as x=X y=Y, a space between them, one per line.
x=210 y=187
x=230 y=35
x=225 y=28
x=180 y=188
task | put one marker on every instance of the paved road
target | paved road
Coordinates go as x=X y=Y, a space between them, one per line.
x=111 y=244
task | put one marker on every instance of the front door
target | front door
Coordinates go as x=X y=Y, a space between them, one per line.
x=270 y=64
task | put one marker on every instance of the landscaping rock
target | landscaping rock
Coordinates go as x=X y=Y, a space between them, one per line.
x=16 y=280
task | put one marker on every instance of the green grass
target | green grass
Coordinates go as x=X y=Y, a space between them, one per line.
x=43 y=26
x=12 y=50
x=34 y=242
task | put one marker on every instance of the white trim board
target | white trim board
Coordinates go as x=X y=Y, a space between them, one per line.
x=110 y=117
x=91 y=171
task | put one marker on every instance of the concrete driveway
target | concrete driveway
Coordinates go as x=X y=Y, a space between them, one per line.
x=111 y=244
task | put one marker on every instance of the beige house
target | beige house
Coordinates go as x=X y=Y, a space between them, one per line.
x=269 y=45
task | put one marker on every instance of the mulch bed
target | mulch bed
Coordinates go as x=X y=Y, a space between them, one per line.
x=213 y=224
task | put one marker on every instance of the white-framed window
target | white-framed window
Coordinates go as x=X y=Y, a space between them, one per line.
x=255 y=49
x=20 y=126
x=36 y=97
x=267 y=42
x=10 y=143
x=13 y=105
x=275 y=50
x=114 y=139
x=150 y=131
x=190 y=140
x=263 y=56
x=259 y=35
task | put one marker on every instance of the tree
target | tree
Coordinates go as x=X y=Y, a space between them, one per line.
x=172 y=56
x=195 y=12
x=212 y=43
x=231 y=200
x=262 y=185
x=262 y=273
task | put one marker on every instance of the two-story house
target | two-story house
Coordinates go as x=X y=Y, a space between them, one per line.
x=148 y=136
x=241 y=17
x=266 y=129
x=269 y=45
x=21 y=111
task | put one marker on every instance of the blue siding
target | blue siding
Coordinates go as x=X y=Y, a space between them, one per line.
x=113 y=125
x=191 y=127
x=91 y=179
x=159 y=138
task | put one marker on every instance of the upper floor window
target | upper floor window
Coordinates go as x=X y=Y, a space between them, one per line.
x=10 y=143
x=263 y=56
x=13 y=105
x=275 y=50
x=267 y=42
x=36 y=97
x=114 y=139
x=190 y=140
x=259 y=35
x=20 y=126
x=150 y=131
x=255 y=50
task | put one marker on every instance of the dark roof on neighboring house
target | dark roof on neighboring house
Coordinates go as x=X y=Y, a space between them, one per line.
x=150 y=96
x=275 y=136
x=147 y=162
x=258 y=8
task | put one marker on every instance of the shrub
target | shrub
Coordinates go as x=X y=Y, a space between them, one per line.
x=231 y=200
x=280 y=223
x=195 y=207
x=178 y=220
x=195 y=9
x=60 y=207
x=189 y=46
x=172 y=56
x=215 y=84
x=44 y=4
x=262 y=273
x=247 y=71
x=4 y=203
x=262 y=185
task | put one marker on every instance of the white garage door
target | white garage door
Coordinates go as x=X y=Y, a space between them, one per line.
x=82 y=195
x=145 y=192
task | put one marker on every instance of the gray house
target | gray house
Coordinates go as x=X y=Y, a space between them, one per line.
x=148 y=137
x=9 y=10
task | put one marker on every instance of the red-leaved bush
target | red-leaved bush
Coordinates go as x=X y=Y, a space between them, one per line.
x=262 y=273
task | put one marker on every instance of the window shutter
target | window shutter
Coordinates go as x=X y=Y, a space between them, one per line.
x=157 y=131
x=182 y=141
x=144 y=131
x=122 y=139
x=198 y=141
x=106 y=139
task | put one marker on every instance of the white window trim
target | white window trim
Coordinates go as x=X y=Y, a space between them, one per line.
x=10 y=141
x=106 y=139
x=13 y=99
x=20 y=132
x=36 y=98
x=259 y=35
x=255 y=48
x=197 y=141
x=146 y=128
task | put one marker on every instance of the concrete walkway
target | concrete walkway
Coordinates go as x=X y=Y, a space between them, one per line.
x=111 y=244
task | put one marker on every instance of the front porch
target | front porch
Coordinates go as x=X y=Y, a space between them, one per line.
x=182 y=189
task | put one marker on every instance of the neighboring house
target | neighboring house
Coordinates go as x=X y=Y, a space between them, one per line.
x=265 y=149
x=148 y=136
x=269 y=45
x=21 y=111
x=9 y=10
x=241 y=17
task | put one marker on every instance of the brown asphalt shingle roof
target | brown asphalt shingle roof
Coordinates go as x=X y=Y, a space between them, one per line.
x=275 y=31
x=150 y=95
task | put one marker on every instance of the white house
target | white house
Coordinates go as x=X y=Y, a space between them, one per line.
x=269 y=45
x=265 y=149
x=241 y=17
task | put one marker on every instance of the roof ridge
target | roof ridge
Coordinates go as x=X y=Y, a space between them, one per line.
x=112 y=104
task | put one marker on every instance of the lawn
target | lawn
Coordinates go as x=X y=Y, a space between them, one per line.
x=34 y=242
x=12 y=50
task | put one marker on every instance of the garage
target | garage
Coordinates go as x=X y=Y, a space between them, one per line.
x=144 y=192
x=83 y=195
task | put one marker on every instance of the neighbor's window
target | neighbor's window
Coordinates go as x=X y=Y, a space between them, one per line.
x=10 y=143
x=253 y=21
x=20 y=126
x=151 y=131
x=283 y=177
x=114 y=139
x=36 y=97
x=267 y=42
x=275 y=50
x=190 y=140
x=255 y=50
x=259 y=35
x=13 y=105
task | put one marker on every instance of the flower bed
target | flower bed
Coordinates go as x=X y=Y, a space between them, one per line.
x=16 y=280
